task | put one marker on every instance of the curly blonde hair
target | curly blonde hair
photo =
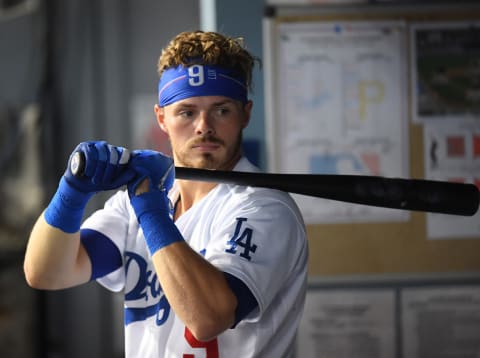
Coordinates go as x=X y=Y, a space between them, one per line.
x=208 y=48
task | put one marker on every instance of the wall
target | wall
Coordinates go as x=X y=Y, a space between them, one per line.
x=249 y=26
x=81 y=62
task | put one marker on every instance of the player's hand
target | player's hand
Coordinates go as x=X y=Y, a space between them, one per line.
x=152 y=207
x=154 y=166
x=104 y=167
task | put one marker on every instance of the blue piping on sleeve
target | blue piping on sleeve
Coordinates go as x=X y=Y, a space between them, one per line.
x=104 y=255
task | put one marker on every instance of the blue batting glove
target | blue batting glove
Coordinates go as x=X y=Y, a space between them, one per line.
x=105 y=168
x=152 y=208
x=156 y=166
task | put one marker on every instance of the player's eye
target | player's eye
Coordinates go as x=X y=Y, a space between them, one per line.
x=222 y=111
x=185 y=113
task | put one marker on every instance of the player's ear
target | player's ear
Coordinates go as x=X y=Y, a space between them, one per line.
x=160 y=116
x=247 y=108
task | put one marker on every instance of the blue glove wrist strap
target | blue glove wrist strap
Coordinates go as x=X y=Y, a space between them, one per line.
x=153 y=213
x=65 y=210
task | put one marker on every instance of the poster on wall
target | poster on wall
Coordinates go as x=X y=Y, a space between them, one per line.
x=445 y=61
x=348 y=323
x=452 y=153
x=441 y=322
x=341 y=109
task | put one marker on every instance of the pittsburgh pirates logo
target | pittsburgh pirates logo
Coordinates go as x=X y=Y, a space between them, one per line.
x=242 y=239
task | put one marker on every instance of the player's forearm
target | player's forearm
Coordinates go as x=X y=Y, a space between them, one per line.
x=54 y=259
x=197 y=291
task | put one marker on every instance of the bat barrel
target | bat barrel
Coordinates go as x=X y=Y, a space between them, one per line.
x=420 y=195
x=395 y=193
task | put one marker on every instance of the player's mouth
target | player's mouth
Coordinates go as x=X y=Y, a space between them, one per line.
x=206 y=145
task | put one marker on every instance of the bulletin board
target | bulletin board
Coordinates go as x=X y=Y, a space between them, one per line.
x=356 y=240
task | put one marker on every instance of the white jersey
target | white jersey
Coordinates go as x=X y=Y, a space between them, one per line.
x=254 y=234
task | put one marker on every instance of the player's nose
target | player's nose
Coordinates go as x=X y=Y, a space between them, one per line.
x=204 y=123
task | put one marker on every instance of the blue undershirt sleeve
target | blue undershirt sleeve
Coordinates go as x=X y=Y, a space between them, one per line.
x=246 y=301
x=104 y=255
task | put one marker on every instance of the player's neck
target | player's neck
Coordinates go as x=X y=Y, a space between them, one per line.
x=191 y=192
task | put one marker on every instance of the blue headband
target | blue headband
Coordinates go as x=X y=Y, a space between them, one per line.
x=199 y=80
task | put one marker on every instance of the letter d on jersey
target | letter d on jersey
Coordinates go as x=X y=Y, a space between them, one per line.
x=146 y=289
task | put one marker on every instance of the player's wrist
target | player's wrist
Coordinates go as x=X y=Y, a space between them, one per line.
x=153 y=213
x=159 y=231
x=65 y=210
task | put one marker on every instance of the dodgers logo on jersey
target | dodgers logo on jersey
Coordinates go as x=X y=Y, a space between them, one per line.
x=242 y=239
x=147 y=288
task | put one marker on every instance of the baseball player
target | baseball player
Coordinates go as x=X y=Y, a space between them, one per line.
x=207 y=270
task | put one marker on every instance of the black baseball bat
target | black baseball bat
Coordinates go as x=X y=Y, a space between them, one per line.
x=406 y=194
x=395 y=193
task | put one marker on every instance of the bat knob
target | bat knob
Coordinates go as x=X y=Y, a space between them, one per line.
x=77 y=163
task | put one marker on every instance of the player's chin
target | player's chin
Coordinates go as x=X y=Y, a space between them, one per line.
x=205 y=161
